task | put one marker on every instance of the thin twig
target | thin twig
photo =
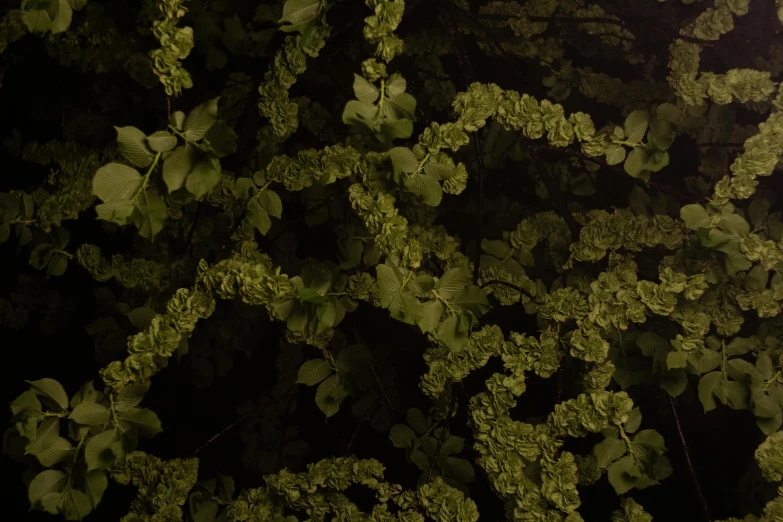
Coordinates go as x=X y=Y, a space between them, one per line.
x=364 y=418
x=241 y=419
x=509 y=285
x=692 y=470
x=442 y=435
x=480 y=224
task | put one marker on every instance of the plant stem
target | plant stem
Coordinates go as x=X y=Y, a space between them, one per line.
x=691 y=469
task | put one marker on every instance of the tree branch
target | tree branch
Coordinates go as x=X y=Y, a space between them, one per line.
x=242 y=419
x=691 y=469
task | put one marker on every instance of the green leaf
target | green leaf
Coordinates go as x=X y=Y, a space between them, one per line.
x=52 y=393
x=673 y=382
x=162 y=141
x=116 y=181
x=90 y=414
x=76 y=504
x=395 y=86
x=271 y=202
x=57 y=265
x=45 y=483
x=145 y=421
x=118 y=211
x=314 y=371
x=222 y=139
x=26 y=401
x=403 y=160
x=93 y=483
x=758 y=210
x=132 y=143
x=634 y=420
x=707 y=386
x=635 y=126
x=364 y=91
x=430 y=315
x=420 y=458
x=734 y=224
x=453 y=282
x=668 y=112
x=299 y=14
x=150 y=214
x=694 y=216
x=635 y=162
x=676 y=359
x=46 y=434
x=472 y=299
x=661 y=134
x=460 y=469
x=200 y=120
x=417 y=420
x=59 y=450
x=177 y=120
x=652 y=440
x=425 y=186
x=615 y=154
x=657 y=160
x=623 y=475
x=401 y=436
x=177 y=165
x=329 y=395
x=452 y=445
x=97 y=450
x=130 y=396
x=609 y=450
x=204 y=177
x=258 y=216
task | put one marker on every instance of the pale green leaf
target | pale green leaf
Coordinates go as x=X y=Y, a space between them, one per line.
x=204 y=177
x=200 y=120
x=299 y=13
x=425 y=186
x=615 y=154
x=460 y=469
x=222 y=139
x=395 y=86
x=623 y=475
x=271 y=202
x=90 y=414
x=145 y=421
x=364 y=91
x=707 y=386
x=97 y=450
x=76 y=504
x=150 y=214
x=431 y=312
x=661 y=134
x=130 y=396
x=635 y=126
x=694 y=216
x=417 y=420
x=635 y=162
x=403 y=160
x=46 y=482
x=258 y=216
x=453 y=282
x=51 y=391
x=609 y=450
x=314 y=371
x=132 y=143
x=401 y=436
x=118 y=211
x=46 y=434
x=116 y=181
x=59 y=450
x=162 y=141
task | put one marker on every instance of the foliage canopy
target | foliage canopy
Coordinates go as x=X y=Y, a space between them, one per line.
x=566 y=209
